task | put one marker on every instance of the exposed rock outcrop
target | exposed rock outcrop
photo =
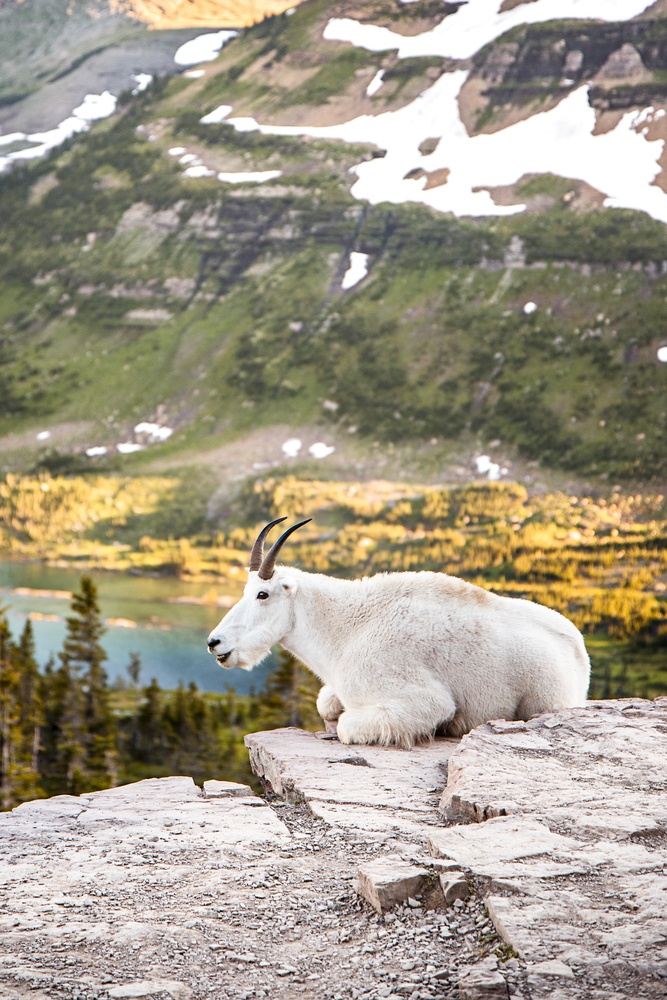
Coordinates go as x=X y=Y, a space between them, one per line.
x=160 y=889
x=549 y=834
x=562 y=822
x=377 y=790
x=575 y=839
x=624 y=64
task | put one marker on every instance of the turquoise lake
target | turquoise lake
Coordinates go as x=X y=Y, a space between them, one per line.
x=170 y=638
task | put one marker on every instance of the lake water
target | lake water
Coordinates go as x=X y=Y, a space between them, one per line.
x=170 y=638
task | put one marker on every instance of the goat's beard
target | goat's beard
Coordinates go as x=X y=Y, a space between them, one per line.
x=248 y=655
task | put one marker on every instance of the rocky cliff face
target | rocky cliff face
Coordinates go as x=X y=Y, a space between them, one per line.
x=535 y=869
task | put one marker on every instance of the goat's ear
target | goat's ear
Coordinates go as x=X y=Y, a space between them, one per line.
x=289 y=585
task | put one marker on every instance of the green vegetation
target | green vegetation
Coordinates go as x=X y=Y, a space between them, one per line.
x=128 y=286
x=104 y=521
x=20 y=717
x=57 y=732
x=435 y=343
x=332 y=78
x=547 y=184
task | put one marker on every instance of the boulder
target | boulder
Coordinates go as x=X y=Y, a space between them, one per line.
x=389 y=881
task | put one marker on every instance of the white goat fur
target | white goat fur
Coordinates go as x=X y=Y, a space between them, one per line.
x=403 y=655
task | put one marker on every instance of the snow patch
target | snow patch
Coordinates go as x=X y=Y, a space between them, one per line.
x=142 y=80
x=621 y=163
x=485 y=467
x=357 y=270
x=198 y=171
x=529 y=308
x=188 y=158
x=217 y=115
x=321 y=450
x=96 y=106
x=291 y=447
x=194 y=74
x=12 y=137
x=662 y=354
x=96 y=450
x=249 y=177
x=375 y=83
x=43 y=435
x=127 y=447
x=177 y=150
x=154 y=432
x=203 y=48
x=475 y=24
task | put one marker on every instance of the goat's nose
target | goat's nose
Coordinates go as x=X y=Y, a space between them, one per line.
x=212 y=643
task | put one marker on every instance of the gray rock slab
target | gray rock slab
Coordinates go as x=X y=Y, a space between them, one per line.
x=373 y=823
x=566 y=816
x=222 y=789
x=553 y=968
x=482 y=980
x=507 y=847
x=360 y=786
x=454 y=886
x=388 y=881
x=155 y=890
x=557 y=823
x=600 y=768
x=168 y=813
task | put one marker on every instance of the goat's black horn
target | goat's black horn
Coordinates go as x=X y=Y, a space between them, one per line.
x=269 y=561
x=257 y=553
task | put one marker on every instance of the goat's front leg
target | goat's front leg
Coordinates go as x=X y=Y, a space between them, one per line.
x=329 y=707
x=414 y=719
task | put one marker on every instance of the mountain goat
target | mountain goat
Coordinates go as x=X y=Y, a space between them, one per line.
x=403 y=655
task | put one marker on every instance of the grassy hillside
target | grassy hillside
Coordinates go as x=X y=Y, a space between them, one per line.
x=131 y=291
x=224 y=301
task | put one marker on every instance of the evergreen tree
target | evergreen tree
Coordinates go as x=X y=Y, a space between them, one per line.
x=19 y=718
x=67 y=721
x=191 y=731
x=8 y=712
x=52 y=699
x=88 y=730
x=147 y=738
x=133 y=669
x=27 y=779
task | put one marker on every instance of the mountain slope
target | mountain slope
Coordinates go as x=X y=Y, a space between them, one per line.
x=142 y=288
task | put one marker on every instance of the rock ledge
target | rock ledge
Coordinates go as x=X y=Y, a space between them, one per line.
x=561 y=822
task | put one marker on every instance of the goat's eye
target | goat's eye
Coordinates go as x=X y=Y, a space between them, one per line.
x=262 y=596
